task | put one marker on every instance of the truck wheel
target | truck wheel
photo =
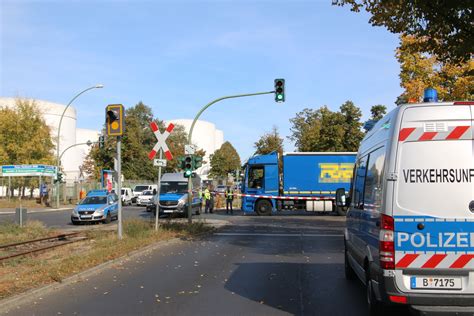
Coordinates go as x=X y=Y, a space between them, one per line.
x=264 y=208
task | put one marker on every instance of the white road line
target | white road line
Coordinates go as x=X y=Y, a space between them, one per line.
x=278 y=235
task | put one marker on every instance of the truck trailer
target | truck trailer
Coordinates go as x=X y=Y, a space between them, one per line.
x=298 y=181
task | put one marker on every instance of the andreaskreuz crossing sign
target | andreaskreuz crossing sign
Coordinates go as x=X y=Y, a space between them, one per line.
x=161 y=141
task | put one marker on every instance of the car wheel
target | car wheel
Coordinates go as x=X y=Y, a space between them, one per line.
x=348 y=271
x=108 y=219
x=74 y=222
x=264 y=208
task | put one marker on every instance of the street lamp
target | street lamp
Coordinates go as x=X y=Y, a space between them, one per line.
x=97 y=86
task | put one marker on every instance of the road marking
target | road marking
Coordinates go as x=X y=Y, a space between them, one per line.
x=278 y=235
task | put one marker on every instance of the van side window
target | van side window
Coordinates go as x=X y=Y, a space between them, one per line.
x=359 y=183
x=373 y=182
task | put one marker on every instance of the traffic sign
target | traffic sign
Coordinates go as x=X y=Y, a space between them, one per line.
x=161 y=141
x=159 y=162
x=189 y=149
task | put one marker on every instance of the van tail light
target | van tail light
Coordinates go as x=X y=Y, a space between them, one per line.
x=386 y=243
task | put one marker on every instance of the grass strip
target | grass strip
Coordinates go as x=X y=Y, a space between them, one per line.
x=21 y=274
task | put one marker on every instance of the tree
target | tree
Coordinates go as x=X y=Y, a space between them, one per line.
x=352 y=126
x=377 y=112
x=269 y=142
x=420 y=71
x=224 y=160
x=325 y=130
x=446 y=24
x=25 y=138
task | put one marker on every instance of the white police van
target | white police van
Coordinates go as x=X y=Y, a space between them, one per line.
x=410 y=219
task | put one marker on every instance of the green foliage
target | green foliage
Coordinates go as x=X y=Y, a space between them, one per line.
x=325 y=130
x=377 y=112
x=420 y=71
x=137 y=141
x=446 y=24
x=24 y=135
x=269 y=142
x=224 y=160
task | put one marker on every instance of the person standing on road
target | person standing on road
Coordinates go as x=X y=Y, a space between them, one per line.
x=229 y=198
x=207 y=199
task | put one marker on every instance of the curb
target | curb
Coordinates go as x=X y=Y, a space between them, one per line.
x=8 y=304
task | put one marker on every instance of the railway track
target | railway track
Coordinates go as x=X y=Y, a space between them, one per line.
x=36 y=245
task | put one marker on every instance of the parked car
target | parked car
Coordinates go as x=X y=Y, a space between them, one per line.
x=138 y=189
x=97 y=206
x=127 y=196
x=145 y=198
x=220 y=189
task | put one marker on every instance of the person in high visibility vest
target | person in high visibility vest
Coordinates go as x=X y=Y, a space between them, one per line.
x=207 y=200
x=229 y=198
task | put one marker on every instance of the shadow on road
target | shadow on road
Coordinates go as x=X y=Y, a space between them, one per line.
x=299 y=288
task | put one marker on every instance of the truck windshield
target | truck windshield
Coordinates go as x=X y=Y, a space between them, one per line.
x=94 y=200
x=174 y=187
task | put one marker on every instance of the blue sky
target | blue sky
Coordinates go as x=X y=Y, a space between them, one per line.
x=176 y=56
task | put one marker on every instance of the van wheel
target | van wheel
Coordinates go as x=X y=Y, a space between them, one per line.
x=108 y=219
x=264 y=208
x=341 y=211
x=375 y=307
x=348 y=271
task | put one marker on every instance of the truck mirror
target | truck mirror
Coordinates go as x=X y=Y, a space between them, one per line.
x=341 y=200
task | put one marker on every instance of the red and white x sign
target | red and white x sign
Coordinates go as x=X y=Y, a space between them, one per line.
x=161 y=141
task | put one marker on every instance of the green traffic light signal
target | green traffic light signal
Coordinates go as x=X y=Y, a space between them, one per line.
x=197 y=162
x=280 y=90
x=188 y=166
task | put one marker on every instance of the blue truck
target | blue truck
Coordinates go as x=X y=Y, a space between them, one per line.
x=296 y=181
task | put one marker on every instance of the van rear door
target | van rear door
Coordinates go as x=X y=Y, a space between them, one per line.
x=434 y=200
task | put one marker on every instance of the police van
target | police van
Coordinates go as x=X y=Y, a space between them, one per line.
x=410 y=219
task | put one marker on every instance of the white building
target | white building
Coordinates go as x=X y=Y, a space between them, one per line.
x=206 y=136
x=70 y=135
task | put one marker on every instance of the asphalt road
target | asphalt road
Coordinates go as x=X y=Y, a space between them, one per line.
x=62 y=219
x=278 y=265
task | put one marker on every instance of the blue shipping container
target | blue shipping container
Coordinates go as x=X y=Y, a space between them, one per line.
x=320 y=174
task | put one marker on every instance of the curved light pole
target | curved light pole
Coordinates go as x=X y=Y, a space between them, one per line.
x=97 y=86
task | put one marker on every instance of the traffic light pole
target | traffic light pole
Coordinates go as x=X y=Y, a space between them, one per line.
x=190 y=183
x=119 y=185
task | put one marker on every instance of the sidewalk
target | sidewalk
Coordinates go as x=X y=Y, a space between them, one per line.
x=11 y=210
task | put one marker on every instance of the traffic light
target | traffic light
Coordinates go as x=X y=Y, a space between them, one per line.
x=280 y=90
x=59 y=178
x=115 y=119
x=188 y=166
x=101 y=141
x=197 y=161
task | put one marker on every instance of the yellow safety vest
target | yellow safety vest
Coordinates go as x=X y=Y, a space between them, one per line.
x=207 y=194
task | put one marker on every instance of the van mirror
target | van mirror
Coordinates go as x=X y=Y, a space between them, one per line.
x=341 y=199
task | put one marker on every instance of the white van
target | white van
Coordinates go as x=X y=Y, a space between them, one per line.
x=410 y=219
x=139 y=188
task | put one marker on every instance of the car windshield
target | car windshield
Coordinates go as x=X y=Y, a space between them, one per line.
x=174 y=187
x=140 y=188
x=94 y=200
